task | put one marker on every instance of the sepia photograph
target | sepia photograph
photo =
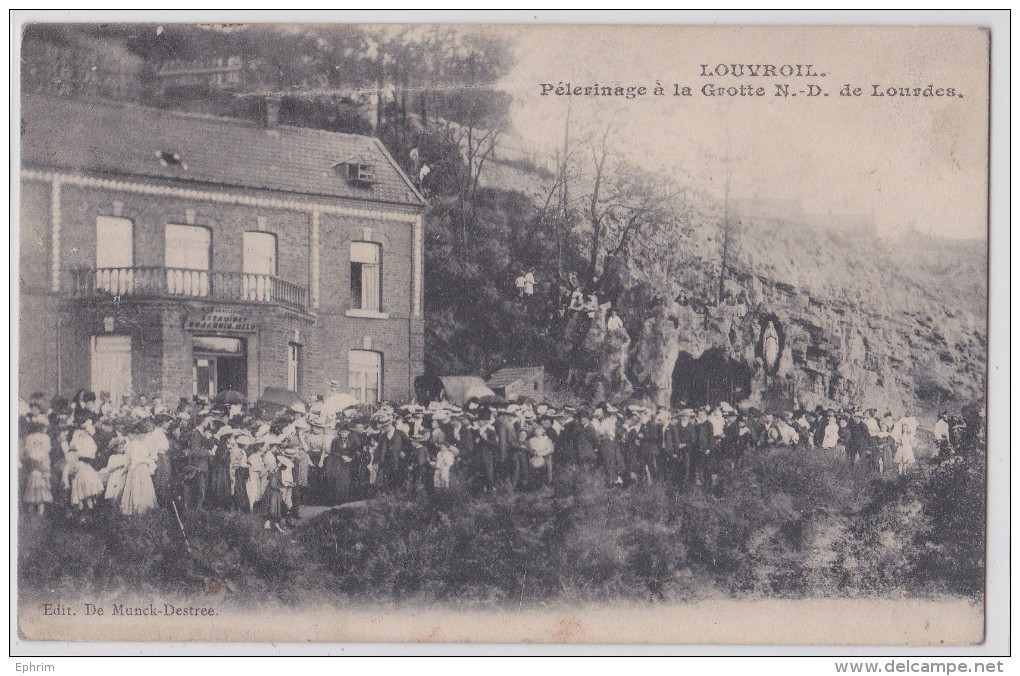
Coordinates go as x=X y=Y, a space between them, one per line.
x=501 y=334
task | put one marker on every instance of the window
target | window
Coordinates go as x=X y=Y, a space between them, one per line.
x=204 y=376
x=114 y=255
x=188 y=249
x=169 y=158
x=366 y=276
x=111 y=366
x=356 y=171
x=259 y=256
x=218 y=345
x=293 y=366
x=361 y=172
x=365 y=370
x=258 y=264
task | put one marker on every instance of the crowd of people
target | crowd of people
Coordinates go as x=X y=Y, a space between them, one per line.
x=87 y=453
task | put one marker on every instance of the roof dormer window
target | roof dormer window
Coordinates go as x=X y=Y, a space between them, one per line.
x=356 y=170
x=169 y=158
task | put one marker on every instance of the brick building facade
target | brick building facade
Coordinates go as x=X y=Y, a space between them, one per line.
x=171 y=255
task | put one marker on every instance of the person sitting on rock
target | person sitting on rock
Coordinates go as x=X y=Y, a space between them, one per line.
x=576 y=300
x=613 y=322
x=519 y=284
x=529 y=283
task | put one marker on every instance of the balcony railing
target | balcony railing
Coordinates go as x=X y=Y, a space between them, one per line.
x=159 y=282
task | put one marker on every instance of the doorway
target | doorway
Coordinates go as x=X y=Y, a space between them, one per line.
x=219 y=364
x=111 y=366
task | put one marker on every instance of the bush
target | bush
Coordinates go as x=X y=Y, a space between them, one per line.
x=788 y=523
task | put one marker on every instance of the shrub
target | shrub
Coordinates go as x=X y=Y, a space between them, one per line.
x=786 y=523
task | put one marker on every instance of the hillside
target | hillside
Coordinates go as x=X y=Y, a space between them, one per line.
x=887 y=321
x=896 y=320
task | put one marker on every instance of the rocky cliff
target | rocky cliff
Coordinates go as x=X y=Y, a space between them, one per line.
x=906 y=329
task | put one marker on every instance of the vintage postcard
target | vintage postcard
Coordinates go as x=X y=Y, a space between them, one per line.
x=502 y=333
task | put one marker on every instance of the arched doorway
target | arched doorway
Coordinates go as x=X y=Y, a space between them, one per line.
x=709 y=379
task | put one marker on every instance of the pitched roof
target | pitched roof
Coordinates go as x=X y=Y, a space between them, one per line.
x=504 y=377
x=126 y=139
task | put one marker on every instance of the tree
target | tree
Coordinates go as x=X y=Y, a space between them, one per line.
x=625 y=202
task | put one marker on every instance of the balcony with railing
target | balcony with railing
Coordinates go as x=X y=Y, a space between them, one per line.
x=160 y=282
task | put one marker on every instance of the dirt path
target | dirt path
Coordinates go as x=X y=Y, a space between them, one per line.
x=312 y=512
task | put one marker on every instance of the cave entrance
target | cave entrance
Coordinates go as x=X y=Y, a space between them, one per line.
x=709 y=379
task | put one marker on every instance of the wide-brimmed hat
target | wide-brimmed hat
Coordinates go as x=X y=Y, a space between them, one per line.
x=223 y=431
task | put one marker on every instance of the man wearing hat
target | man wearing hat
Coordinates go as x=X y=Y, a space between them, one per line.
x=196 y=472
x=506 y=433
x=587 y=440
x=703 y=454
x=520 y=452
x=488 y=448
x=159 y=445
x=651 y=445
x=609 y=445
x=941 y=433
x=462 y=438
x=391 y=455
x=293 y=449
x=685 y=440
x=857 y=439
x=630 y=441
x=731 y=448
x=337 y=466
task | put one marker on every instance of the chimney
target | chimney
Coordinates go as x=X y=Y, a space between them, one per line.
x=272 y=112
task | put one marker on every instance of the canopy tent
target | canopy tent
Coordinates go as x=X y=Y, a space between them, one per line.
x=230 y=397
x=337 y=402
x=275 y=399
x=461 y=388
x=457 y=389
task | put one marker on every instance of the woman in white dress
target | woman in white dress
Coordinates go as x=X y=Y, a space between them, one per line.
x=256 y=477
x=83 y=481
x=35 y=463
x=139 y=494
x=903 y=433
x=115 y=472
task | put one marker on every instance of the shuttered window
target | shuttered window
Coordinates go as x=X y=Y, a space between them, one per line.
x=365 y=375
x=366 y=276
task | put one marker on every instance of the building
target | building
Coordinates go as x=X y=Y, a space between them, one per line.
x=213 y=74
x=171 y=254
x=520 y=381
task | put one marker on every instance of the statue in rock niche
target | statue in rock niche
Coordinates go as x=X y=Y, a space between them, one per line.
x=770 y=347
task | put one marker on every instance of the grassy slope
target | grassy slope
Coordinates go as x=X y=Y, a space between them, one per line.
x=787 y=526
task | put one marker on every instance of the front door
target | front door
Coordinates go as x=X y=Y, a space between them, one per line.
x=111 y=366
x=219 y=363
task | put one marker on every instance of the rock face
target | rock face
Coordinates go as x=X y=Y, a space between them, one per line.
x=655 y=353
x=610 y=351
x=828 y=352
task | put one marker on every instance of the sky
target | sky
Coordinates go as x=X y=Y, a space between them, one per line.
x=901 y=162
